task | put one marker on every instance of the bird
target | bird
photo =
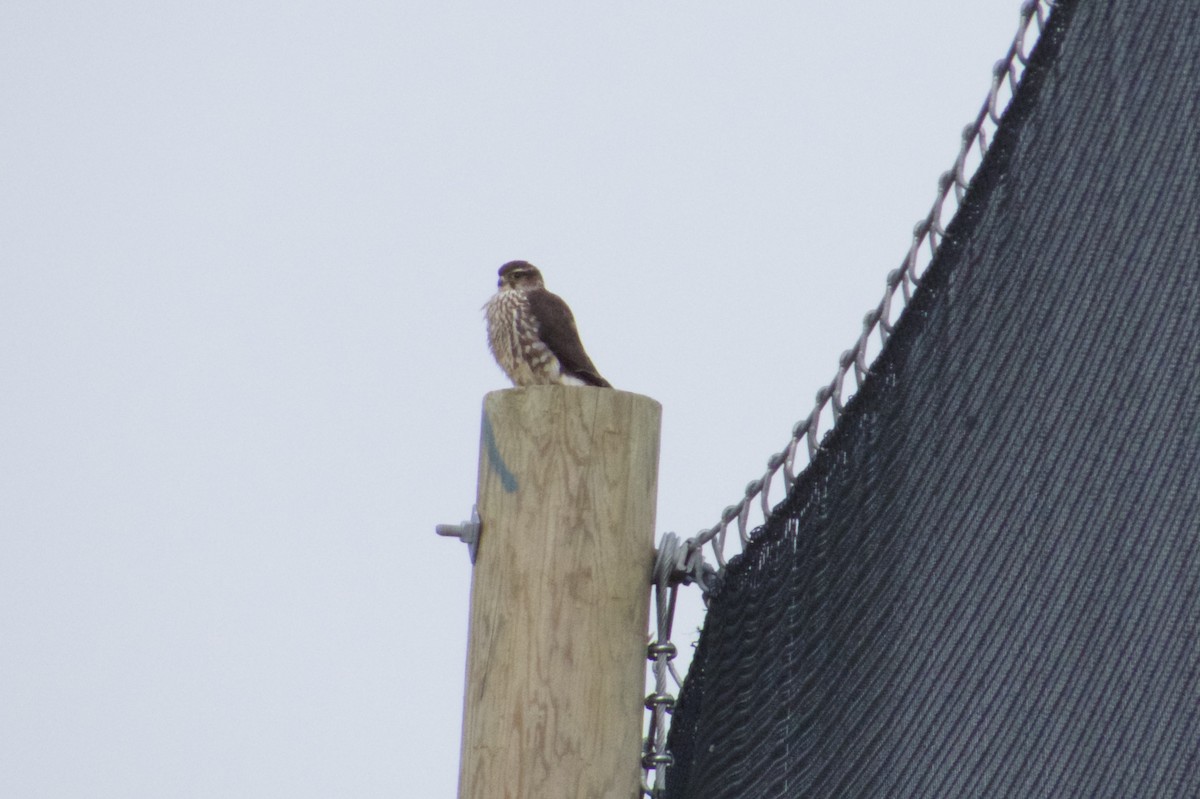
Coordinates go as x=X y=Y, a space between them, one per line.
x=532 y=332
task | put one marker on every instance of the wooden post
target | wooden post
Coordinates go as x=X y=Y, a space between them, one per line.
x=568 y=479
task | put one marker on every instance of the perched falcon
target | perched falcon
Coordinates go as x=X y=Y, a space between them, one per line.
x=532 y=332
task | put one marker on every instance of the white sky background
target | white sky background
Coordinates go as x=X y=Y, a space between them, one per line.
x=243 y=251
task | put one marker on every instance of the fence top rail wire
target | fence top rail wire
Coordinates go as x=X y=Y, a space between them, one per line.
x=682 y=562
x=784 y=466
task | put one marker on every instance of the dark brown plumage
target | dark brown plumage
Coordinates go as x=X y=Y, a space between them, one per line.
x=532 y=332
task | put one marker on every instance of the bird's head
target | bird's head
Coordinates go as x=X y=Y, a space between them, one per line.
x=520 y=275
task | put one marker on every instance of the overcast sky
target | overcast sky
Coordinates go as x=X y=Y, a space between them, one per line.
x=243 y=250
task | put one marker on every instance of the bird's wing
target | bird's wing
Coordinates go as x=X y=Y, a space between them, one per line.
x=556 y=329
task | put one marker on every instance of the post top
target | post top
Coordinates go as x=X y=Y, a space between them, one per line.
x=545 y=392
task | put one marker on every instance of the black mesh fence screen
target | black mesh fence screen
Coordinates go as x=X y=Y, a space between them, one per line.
x=988 y=582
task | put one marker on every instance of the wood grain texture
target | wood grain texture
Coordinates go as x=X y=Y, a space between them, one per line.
x=568 y=481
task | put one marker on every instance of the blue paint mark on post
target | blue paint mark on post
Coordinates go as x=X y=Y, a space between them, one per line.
x=508 y=480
